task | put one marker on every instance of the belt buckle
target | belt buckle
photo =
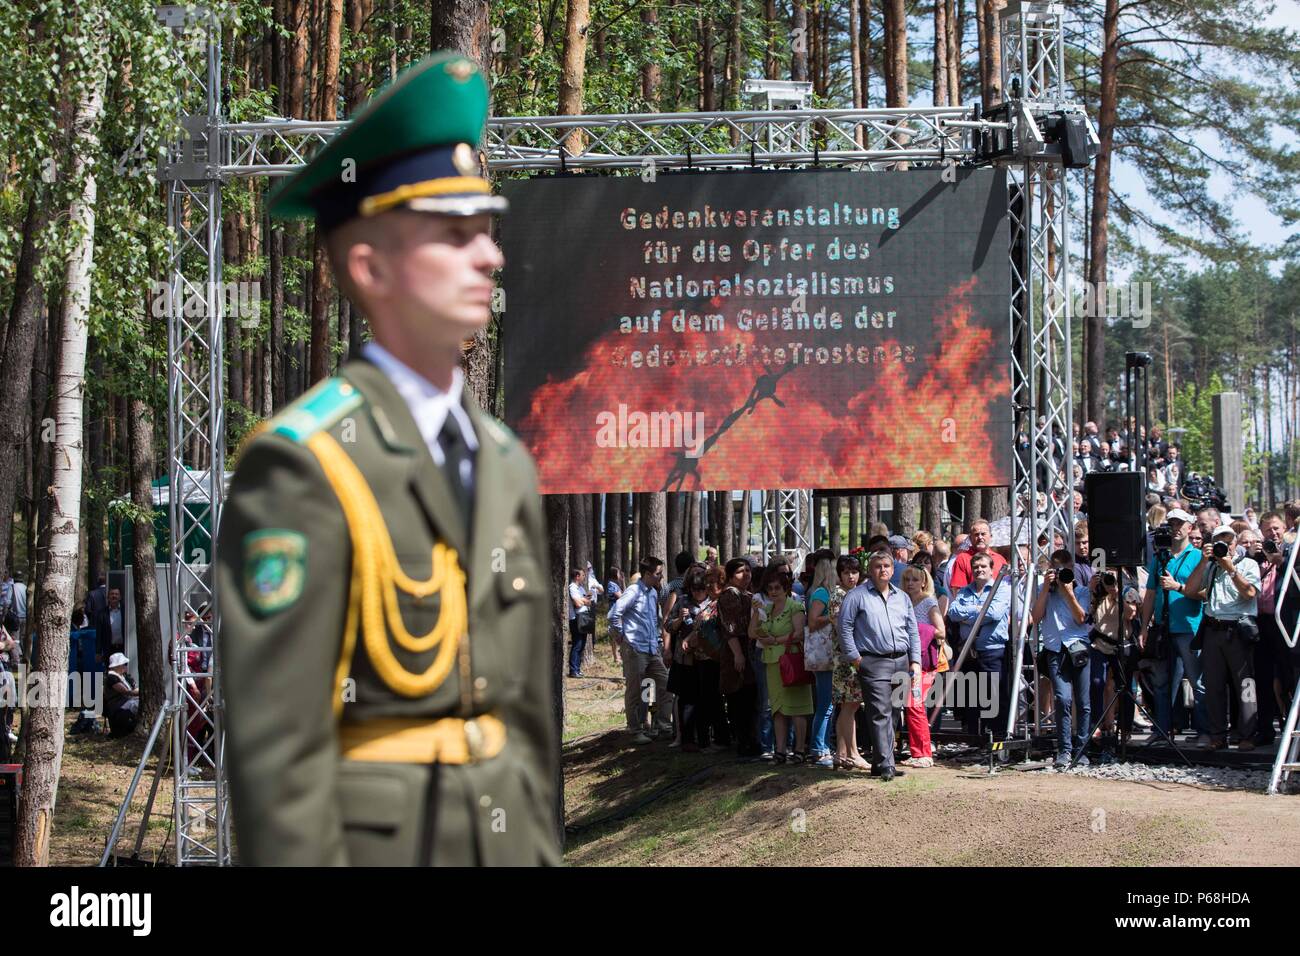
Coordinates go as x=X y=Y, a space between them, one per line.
x=474 y=740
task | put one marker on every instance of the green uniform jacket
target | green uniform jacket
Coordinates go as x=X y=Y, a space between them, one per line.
x=295 y=800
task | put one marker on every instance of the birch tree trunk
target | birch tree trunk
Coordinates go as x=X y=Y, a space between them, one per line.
x=86 y=67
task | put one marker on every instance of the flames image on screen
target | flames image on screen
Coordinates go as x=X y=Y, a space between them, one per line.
x=940 y=421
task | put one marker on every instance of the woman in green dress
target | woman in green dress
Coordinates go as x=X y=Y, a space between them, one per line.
x=778 y=630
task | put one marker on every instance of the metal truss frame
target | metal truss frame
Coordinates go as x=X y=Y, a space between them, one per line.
x=212 y=151
x=1033 y=66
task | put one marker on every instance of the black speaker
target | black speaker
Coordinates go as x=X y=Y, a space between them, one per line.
x=1115 y=502
x=11 y=776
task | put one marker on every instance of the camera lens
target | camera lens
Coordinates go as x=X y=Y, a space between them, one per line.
x=1220 y=549
x=1270 y=547
x=1065 y=575
x=1108 y=578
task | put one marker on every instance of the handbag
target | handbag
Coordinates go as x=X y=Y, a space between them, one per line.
x=1078 y=651
x=1248 y=628
x=586 y=621
x=818 y=650
x=793 y=672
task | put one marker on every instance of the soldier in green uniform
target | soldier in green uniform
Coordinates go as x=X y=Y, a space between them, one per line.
x=385 y=634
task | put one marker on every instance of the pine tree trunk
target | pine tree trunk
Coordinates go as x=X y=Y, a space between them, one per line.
x=574 y=65
x=462 y=25
x=932 y=513
x=736 y=40
x=727 y=546
x=995 y=503
x=956 y=19
x=579 y=532
x=833 y=521
x=799 y=41
x=991 y=54
x=597 y=551
x=651 y=73
x=907 y=512
x=771 y=32
x=855 y=57
x=939 y=70
x=149 y=654
x=672 y=525
x=616 y=531
x=93 y=525
x=895 y=53
x=864 y=50
x=855 y=522
x=692 y=523
x=654 y=528
x=1095 y=358
x=16 y=370
x=557 y=526
x=44 y=757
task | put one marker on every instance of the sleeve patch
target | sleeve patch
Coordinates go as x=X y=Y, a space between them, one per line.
x=275 y=569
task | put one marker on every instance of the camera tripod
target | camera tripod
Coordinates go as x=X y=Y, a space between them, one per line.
x=1124 y=683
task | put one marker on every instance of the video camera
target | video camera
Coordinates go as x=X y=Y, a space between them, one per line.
x=1162 y=538
x=1200 y=491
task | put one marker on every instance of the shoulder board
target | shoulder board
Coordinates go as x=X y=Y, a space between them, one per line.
x=317 y=409
x=499 y=432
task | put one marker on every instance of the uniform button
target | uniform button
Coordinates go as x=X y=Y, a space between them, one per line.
x=519 y=584
x=480 y=683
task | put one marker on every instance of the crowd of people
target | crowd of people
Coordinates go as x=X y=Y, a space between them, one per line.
x=833 y=663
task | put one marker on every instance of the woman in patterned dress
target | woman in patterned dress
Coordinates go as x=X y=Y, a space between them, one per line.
x=846 y=690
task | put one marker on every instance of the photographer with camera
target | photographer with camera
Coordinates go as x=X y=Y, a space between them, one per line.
x=1114 y=620
x=1061 y=611
x=1170 y=617
x=1229 y=586
x=1267 y=548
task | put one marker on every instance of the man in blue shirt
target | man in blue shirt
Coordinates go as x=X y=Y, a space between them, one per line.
x=991 y=642
x=878 y=635
x=635 y=616
x=1167 y=589
x=1061 y=612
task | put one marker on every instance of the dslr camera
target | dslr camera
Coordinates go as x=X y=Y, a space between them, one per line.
x=1220 y=549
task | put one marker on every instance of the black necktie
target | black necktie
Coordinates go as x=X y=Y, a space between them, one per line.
x=458 y=465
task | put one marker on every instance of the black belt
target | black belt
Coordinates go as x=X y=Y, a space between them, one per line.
x=890 y=654
x=1218 y=623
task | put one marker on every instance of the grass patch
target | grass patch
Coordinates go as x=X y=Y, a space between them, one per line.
x=80 y=821
x=1154 y=836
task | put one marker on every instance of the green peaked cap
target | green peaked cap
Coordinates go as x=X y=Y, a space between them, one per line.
x=439 y=102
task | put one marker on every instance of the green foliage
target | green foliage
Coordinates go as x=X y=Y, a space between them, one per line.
x=1194 y=411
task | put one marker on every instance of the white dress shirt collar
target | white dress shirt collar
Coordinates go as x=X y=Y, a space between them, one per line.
x=429 y=404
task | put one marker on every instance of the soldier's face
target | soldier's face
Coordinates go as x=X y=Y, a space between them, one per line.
x=437 y=278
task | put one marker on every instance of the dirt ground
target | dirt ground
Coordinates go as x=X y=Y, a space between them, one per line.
x=630 y=805
x=95 y=776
